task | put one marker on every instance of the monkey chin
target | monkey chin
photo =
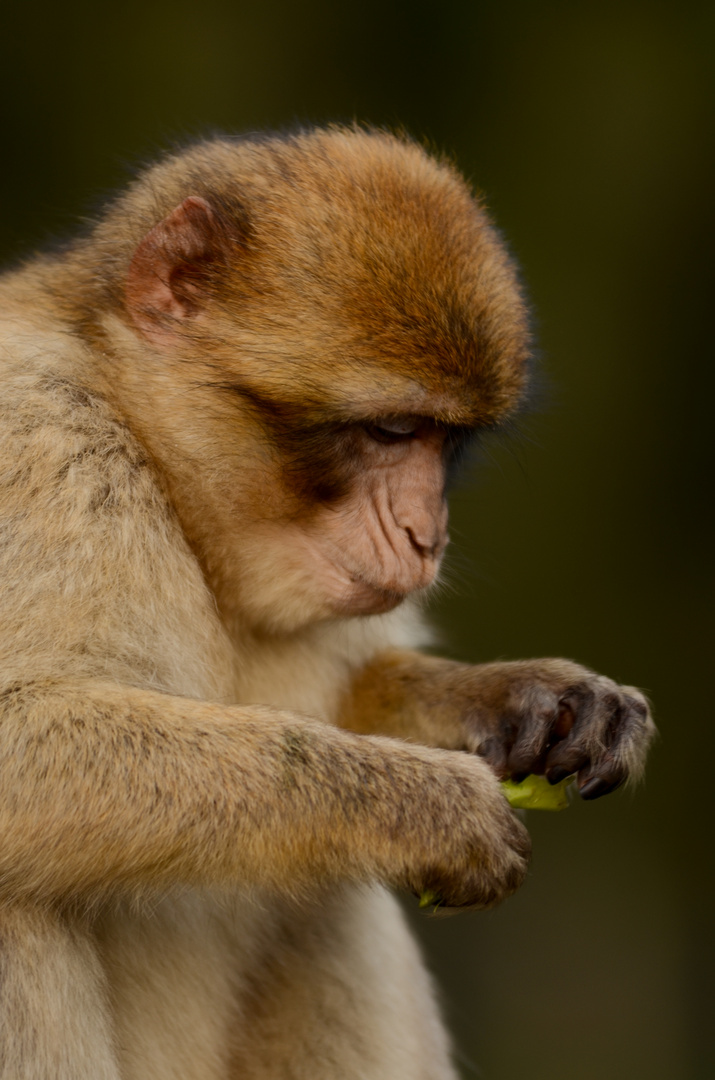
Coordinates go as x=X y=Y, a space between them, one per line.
x=367 y=599
x=303 y=606
x=363 y=596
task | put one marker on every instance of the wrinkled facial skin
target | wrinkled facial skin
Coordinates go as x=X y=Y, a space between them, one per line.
x=385 y=537
x=362 y=523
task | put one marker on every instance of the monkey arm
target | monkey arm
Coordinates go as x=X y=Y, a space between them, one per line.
x=547 y=716
x=107 y=789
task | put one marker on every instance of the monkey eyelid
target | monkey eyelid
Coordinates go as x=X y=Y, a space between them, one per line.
x=394 y=428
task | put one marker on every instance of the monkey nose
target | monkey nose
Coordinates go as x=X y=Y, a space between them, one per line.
x=428 y=544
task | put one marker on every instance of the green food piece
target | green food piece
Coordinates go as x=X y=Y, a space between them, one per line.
x=532 y=793
x=428 y=898
x=536 y=793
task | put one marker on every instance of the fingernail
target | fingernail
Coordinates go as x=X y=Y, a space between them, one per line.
x=557 y=774
x=594 y=788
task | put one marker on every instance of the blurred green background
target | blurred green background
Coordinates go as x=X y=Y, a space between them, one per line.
x=590 y=127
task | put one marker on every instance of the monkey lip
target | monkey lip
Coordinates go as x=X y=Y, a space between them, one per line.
x=366 y=597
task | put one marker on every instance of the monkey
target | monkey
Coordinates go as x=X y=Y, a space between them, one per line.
x=230 y=411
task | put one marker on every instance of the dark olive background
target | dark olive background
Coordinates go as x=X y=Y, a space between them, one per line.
x=590 y=127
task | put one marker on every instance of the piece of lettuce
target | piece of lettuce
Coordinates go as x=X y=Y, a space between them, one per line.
x=531 y=793
x=536 y=793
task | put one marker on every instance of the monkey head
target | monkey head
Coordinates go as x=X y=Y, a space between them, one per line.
x=314 y=325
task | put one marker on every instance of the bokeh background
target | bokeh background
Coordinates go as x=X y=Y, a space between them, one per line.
x=590 y=128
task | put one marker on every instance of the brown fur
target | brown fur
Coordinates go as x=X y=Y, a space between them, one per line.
x=200 y=484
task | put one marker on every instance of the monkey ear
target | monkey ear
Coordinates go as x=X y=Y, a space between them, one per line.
x=169 y=278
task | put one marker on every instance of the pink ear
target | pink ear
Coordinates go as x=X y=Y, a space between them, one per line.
x=167 y=278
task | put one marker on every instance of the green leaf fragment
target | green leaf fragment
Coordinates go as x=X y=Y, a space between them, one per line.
x=429 y=898
x=536 y=793
x=532 y=793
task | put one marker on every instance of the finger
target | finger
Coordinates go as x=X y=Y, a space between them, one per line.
x=565 y=720
x=571 y=751
x=537 y=733
x=596 y=786
x=625 y=751
x=495 y=752
x=586 y=750
x=562 y=728
x=635 y=733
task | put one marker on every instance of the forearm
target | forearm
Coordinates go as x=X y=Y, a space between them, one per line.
x=549 y=715
x=409 y=695
x=107 y=789
x=440 y=702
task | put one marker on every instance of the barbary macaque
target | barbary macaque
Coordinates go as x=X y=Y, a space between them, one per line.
x=229 y=413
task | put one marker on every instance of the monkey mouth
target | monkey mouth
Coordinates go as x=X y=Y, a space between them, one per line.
x=366 y=597
x=361 y=594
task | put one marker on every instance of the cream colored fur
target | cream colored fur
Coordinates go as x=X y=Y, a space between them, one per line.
x=152 y=986
x=209 y=777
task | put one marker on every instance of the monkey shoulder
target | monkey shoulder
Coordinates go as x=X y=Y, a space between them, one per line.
x=65 y=460
x=96 y=576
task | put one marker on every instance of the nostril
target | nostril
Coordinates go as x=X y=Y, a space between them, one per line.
x=427 y=549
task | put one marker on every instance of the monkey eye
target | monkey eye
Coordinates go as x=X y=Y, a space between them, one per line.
x=391 y=429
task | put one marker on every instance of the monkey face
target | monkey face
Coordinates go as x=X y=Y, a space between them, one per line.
x=377 y=537
x=328 y=325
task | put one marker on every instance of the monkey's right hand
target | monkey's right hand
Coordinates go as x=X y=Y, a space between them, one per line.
x=469 y=848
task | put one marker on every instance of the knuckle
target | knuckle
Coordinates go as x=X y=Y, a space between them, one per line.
x=570 y=755
x=487 y=886
x=494 y=752
x=579 y=695
x=611 y=700
x=637 y=706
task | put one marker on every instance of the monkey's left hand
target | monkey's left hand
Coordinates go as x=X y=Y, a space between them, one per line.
x=551 y=717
